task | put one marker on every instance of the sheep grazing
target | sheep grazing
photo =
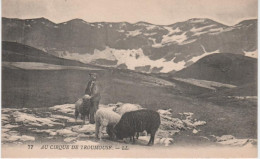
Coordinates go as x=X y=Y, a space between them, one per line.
x=127 y=107
x=137 y=121
x=82 y=108
x=103 y=118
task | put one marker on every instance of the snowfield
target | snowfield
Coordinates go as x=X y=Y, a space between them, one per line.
x=253 y=54
x=132 y=58
x=42 y=66
x=133 y=33
x=204 y=83
x=22 y=126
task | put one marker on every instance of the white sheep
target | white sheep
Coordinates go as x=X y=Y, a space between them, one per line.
x=103 y=118
x=127 y=107
x=81 y=108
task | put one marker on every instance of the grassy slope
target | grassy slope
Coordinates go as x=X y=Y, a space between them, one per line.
x=225 y=68
x=24 y=88
x=16 y=52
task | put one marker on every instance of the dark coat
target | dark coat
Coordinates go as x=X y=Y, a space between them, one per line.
x=138 y=121
x=93 y=90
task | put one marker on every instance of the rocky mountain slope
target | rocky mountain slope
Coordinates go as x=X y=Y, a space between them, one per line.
x=140 y=46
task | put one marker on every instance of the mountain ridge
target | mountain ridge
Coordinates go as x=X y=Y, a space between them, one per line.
x=145 y=22
x=140 y=46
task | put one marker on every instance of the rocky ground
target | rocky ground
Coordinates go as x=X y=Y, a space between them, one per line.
x=57 y=124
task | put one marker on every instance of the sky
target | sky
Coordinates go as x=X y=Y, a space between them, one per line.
x=162 y=12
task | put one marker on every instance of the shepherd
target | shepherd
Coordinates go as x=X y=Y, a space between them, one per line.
x=93 y=90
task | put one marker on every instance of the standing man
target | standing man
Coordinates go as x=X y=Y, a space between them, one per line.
x=93 y=91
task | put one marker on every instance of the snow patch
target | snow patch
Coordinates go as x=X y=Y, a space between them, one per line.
x=43 y=66
x=165 y=112
x=204 y=83
x=197 y=20
x=253 y=54
x=65 y=108
x=189 y=41
x=129 y=58
x=150 y=34
x=172 y=38
x=121 y=31
x=216 y=31
x=194 y=131
x=9 y=126
x=11 y=137
x=169 y=38
x=68 y=119
x=152 y=40
x=196 y=58
x=66 y=132
x=90 y=128
x=243 y=97
x=133 y=33
x=32 y=120
x=232 y=141
x=199 y=29
x=70 y=139
x=152 y=27
x=87 y=58
x=51 y=132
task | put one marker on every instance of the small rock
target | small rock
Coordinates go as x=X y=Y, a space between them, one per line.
x=195 y=131
x=70 y=139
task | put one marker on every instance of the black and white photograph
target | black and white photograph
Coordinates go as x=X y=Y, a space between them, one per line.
x=129 y=78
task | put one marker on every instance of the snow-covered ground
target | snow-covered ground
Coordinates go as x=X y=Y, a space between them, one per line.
x=42 y=66
x=253 y=54
x=133 y=33
x=243 y=97
x=132 y=58
x=196 y=58
x=22 y=126
x=204 y=83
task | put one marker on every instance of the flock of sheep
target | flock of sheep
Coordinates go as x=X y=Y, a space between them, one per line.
x=122 y=122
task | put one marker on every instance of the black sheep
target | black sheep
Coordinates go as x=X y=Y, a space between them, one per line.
x=138 y=121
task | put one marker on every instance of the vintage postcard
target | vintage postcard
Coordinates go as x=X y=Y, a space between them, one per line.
x=129 y=78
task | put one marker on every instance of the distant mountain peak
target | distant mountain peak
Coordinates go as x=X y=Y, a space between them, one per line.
x=41 y=19
x=247 y=22
x=77 y=20
x=143 y=23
